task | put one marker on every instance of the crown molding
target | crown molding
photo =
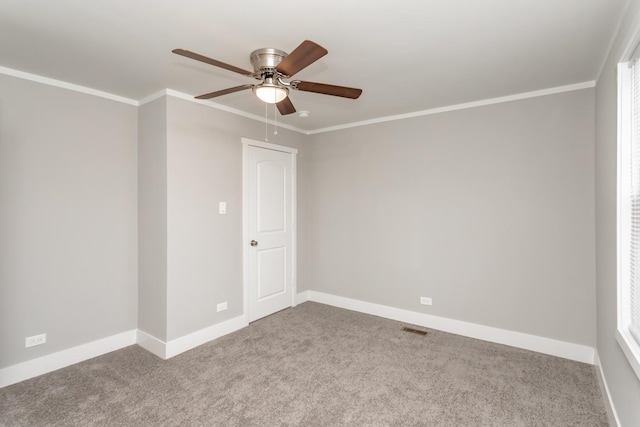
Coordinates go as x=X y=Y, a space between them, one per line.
x=66 y=85
x=456 y=107
x=184 y=96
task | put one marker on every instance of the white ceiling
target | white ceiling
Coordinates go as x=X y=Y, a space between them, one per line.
x=406 y=55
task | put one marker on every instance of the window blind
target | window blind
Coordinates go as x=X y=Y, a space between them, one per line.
x=634 y=250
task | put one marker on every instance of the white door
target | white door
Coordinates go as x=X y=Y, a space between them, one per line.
x=269 y=186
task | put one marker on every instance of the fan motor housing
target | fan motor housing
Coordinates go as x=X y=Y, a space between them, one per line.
x=266 y=59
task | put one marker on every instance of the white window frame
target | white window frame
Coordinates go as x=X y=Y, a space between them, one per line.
x=629 y=344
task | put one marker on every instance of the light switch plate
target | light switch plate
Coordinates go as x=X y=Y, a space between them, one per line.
x=222 y=208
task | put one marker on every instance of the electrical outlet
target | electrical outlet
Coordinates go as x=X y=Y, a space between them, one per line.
x=222 y=306
x=35 y=340
x=425 y=301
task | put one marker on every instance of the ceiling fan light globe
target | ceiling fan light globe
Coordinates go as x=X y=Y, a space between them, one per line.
x=271 y=94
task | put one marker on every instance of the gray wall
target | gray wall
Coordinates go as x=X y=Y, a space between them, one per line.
x=202 y=166
x=68 y=251
x=489 y=211
x=622 y=381
x=152 y=218
x=70 y=204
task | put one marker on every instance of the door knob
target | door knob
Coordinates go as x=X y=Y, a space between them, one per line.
x=254 y=243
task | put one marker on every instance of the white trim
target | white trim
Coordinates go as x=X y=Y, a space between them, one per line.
x=153 y=97
x=294 y=226
x=66 y=85
x=629 y=347
x=302 y=297
x=152 y=344
x=164 y=350
x=270 y=146
x=195 y=339
x=245 y=219
x=481 y=103
x=612 y=415
x=577 y=352
x=627 y=342
x=167 y=350
x=42 y=365
x=208 y=103
x=245 y=233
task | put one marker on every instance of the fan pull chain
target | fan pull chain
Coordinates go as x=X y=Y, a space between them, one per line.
x=266 y=122
x=275 y=120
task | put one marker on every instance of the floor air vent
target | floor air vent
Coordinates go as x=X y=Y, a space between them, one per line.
x=414 y=331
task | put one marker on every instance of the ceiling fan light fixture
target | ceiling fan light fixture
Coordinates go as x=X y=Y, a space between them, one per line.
x=269 y=92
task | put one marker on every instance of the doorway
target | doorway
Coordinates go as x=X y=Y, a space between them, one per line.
x=269 y=228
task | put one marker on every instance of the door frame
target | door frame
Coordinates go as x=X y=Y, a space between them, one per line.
x=246 y=142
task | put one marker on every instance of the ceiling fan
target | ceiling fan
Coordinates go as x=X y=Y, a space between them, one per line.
x=274 y=68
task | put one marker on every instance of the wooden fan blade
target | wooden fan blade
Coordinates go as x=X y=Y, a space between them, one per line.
x=304 y=55
x=211 y=61
x=325 y=89
x=286 y=106
x=224 y=92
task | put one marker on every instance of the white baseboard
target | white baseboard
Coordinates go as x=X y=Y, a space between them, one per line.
x=152 y=344
x=302 y=297
x=167 y=350
x=42 y=365
x=578 y=352
x=608 y=402
x=187 y=342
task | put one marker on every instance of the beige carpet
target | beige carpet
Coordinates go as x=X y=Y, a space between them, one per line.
x=315 y=365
